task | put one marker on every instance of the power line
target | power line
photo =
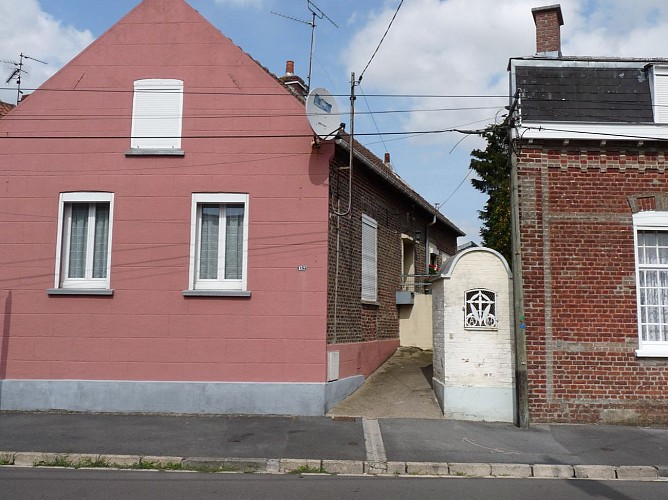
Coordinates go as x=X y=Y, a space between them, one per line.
x=381 y=40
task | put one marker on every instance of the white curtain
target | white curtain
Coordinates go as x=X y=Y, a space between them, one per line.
x=78 y=232
x=210 y=230
x=101 y=243
x=234 y=241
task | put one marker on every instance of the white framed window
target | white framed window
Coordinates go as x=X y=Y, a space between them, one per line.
x=369 y=259
x=157 y=114
x=219 y=241
x=83 y=251
x=651 y=253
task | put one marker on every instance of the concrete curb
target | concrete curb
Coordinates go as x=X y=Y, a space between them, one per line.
x=346 y=467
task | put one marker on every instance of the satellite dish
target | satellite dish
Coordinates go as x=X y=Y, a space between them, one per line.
x=323 y=114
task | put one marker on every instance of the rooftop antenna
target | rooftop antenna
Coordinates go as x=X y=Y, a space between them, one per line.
x=16 y=74
x=315 y=12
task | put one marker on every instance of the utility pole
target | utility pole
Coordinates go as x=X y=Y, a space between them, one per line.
x=521 y=374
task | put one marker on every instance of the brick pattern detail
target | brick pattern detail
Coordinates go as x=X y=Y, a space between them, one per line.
x=548 y=31
x=579 y=283
x=356 y=321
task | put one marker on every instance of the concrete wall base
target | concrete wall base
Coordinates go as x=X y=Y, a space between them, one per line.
x=254 y=398
x=487 y=404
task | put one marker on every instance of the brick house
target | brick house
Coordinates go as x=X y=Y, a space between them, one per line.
x=591 y=155
x=168 y=237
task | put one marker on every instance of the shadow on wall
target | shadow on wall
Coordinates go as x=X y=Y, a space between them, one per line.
x=4 y=342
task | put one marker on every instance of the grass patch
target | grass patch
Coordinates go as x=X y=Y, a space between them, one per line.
x=6 y=462
x=157 y=466
x=66 y=461
x=305 y=469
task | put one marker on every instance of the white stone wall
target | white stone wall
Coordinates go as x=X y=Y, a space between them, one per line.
x=474 y=368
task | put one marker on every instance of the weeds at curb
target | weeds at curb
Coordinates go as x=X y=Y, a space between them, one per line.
x=305 y=469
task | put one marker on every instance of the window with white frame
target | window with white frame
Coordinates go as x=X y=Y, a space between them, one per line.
x=219 y=241
x=651 y=250
x=157 y=114
x=659 y=79
x=83 y=256
x=369 y=259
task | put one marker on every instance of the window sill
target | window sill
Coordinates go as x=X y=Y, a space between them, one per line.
x=370 y=303
x=652 y=353
x=80 y=291
x=216 y=293
x=155 y=152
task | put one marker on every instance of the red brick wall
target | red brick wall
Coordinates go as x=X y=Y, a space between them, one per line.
x=579 y=284
x=357 y=321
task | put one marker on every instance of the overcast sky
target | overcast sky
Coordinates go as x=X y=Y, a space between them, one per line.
x=455 y=51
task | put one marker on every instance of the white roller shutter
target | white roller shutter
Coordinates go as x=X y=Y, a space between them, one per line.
x=157 y=114
x=660 y=94
x=369 y=259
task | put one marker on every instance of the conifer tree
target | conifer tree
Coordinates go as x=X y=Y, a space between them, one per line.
x=493 y=171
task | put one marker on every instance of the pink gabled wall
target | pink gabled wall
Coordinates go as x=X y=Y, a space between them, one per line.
x=148 y=330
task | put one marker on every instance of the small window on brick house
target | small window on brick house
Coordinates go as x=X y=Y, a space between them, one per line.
x=651 y=250
x=480 y=310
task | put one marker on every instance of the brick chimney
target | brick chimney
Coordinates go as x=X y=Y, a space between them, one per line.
x=292 y=81
x=548 y=30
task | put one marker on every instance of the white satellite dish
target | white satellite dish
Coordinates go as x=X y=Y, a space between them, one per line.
x=323 y=114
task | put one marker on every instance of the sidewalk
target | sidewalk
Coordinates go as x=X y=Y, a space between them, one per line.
x=341 y=445
x=391 y=425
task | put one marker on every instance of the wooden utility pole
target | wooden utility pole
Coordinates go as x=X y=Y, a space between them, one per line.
x=521 y=377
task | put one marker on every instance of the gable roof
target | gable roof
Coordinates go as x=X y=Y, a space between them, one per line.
x=391 y=179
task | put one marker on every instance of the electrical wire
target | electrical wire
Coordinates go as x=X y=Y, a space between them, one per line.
x=381 y=40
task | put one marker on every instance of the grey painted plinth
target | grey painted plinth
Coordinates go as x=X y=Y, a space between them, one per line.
x=258 y=398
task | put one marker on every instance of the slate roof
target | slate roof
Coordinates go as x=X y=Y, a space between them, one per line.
x=602 y=90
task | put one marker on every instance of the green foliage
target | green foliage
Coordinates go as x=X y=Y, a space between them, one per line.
x=493 y=170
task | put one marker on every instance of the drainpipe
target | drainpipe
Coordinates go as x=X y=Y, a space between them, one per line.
x=426 y=243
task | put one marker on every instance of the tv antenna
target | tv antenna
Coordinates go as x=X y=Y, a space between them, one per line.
x=16 y=73
x=315 y=12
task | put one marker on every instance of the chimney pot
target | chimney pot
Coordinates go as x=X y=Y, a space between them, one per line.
x=387 y=157
x=289 y=68
x=548 y=20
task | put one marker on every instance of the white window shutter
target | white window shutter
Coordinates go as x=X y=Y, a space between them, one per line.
x=157 y=114
x=369 y=259
x=660 y=94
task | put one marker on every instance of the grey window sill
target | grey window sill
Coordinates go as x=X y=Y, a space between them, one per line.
x=370 y=302
x=216 y=293
x=155 y=152
x=80 y=291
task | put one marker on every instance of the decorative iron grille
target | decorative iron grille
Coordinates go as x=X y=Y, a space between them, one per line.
x=480 y=310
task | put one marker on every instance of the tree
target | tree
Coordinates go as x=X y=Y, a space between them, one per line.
x=493 y=170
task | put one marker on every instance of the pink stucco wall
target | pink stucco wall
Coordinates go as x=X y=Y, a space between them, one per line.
x=148 y=330
x=363 y=358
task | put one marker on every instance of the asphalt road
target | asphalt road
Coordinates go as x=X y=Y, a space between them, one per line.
x=33 y=483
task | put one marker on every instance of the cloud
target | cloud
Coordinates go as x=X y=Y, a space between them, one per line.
x=29 y=30
x=460 y=47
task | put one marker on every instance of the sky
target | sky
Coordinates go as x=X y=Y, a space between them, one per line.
x=441 y=66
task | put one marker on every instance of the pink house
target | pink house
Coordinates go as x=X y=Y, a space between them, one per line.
x=167 y=240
